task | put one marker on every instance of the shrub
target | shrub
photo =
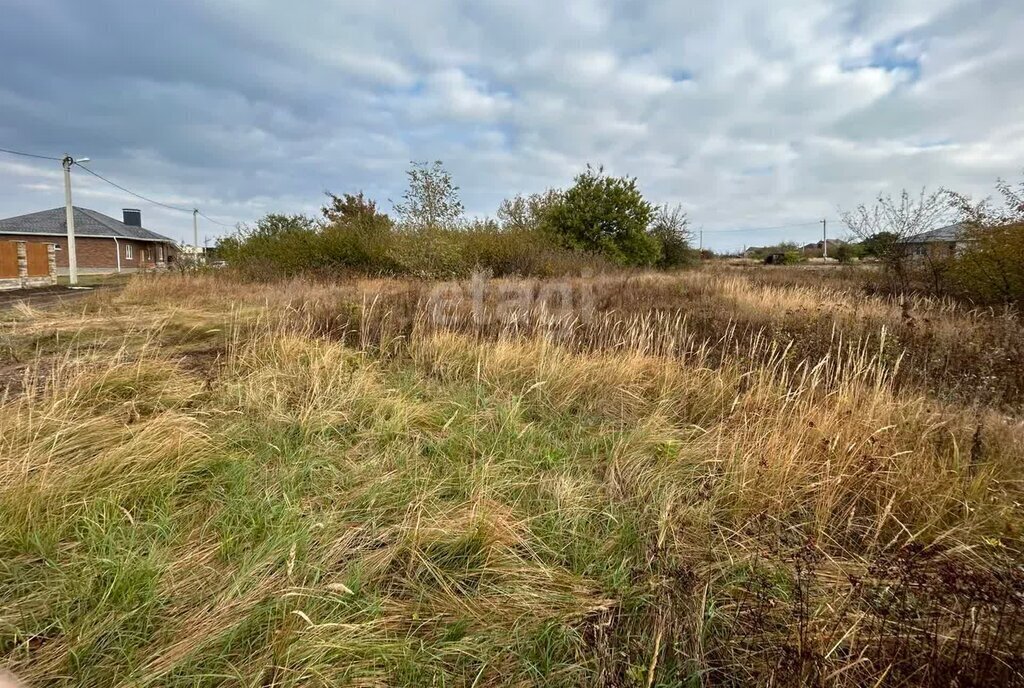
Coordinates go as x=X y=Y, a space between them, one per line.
x=276 y=245
x=671 y=228
x=847 y=253
x=606 y=215
x=991 y=267
x=527 y=212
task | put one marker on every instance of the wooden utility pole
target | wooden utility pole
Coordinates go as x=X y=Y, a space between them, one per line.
x=824 y=238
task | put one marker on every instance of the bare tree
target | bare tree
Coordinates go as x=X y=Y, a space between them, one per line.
x=671 y=226
x=890 y=221
x=990 y=213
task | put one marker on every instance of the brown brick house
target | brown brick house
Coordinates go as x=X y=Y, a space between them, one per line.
x=103 y=244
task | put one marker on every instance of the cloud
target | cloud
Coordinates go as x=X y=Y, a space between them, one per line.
x=753 y=115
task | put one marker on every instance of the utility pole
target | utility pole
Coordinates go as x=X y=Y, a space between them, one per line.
x=701 y=250
x=195 y=232
x=69 y=209
x=824 y=238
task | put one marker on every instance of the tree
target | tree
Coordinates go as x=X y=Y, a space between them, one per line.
x=432 y=199
x=356 y=234
x=606 y=215
x=352 y=208
x=986 y=213
x=990 y=268
x=897 y=219
x=877 y=245
x=527 y=213
x=671 y=228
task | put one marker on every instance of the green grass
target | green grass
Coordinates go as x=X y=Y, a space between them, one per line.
x=96 y=280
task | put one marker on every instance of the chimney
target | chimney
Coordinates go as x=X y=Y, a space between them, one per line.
x=132 y=217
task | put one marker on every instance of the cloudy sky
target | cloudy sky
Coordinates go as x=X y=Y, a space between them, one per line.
x=751 y=114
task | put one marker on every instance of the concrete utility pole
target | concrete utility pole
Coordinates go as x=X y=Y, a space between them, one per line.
x=824 y=238
x=195 y=234
x=67 y=162
x=701 y=249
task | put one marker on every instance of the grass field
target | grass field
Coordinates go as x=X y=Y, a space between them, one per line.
x=719 y=477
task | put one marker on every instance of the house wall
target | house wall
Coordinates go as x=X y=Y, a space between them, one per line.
x=97 y=255
x=24 y=278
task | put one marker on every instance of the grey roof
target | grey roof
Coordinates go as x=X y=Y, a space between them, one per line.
x=88 y=223
x=945 y=234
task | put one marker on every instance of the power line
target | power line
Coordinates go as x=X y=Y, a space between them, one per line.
x=130 y=192
x=210 y=219
x=117 y=186
x=764 y=229
x=29 y=155
x=150 y=200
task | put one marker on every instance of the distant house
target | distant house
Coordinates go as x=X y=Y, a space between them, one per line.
x=820 y=245
x=103 y=244
x=944 y=241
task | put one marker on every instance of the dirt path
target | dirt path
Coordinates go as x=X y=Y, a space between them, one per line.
x=48 y=296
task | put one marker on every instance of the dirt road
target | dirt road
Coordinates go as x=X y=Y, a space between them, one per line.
x=48 y=296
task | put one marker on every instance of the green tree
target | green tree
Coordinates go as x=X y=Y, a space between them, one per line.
x=606 y=215
x=432 y=199
x=879 y=244
x=352 y=208
x=356 y=235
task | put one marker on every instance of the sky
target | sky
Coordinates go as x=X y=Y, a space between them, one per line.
x=750 y=114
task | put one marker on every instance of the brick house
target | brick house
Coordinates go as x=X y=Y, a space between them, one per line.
x=103 y=244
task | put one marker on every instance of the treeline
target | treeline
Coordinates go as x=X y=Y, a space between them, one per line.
x=600 y=222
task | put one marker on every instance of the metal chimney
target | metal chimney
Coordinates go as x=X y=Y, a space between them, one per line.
x=132 y=217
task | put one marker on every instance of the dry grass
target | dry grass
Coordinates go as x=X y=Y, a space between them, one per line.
x=204 y=482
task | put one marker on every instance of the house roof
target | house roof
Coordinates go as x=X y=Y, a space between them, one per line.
x=945 y=234
x=88 y=223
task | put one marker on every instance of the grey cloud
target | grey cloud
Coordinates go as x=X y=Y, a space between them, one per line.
x=249 y=106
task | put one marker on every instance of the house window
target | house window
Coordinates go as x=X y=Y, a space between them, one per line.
x=128 y=252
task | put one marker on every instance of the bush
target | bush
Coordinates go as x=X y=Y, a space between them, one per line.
x=847 y=253
x=991 y=267
x=671 y=228
x=276 y=245
x=786 y=253
x=605 y=215
x=369 y=243
x=600 y=222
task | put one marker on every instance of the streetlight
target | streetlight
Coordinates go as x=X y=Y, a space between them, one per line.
x=67 y=162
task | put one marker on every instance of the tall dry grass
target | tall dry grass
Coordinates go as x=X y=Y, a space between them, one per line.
x=378 y=483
